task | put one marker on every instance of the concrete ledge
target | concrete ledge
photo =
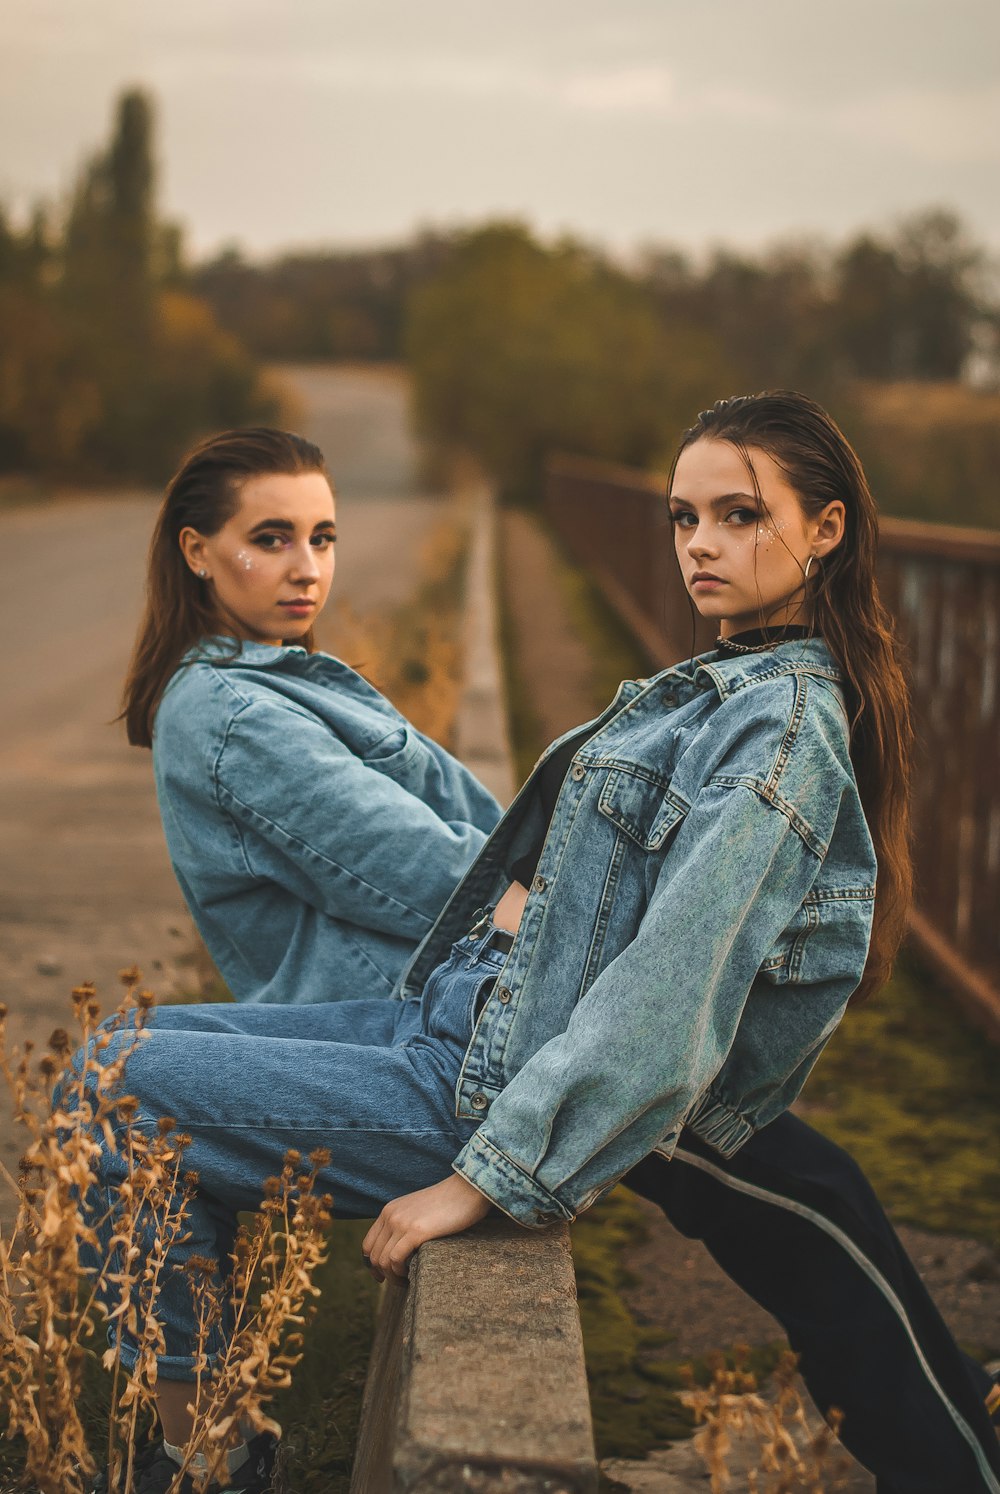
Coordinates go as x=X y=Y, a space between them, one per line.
x=477 y=1377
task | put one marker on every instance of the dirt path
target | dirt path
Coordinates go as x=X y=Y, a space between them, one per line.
x=679 y=1288
x=85 y=883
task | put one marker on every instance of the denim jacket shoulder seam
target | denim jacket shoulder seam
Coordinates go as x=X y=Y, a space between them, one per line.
x=220 y=676
x=790 y=733
x=770 y=795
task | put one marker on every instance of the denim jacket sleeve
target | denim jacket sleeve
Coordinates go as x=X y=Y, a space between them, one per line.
x=336 y=830
x=654 y=1029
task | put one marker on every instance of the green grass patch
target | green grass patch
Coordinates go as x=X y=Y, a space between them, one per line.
x=614 y=653
x=321 y=1409
x=910 y=1090
x=633 y=1395
x=635 y=1380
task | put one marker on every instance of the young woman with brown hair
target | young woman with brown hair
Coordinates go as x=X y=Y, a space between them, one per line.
x=635 y=975
x=314 y=832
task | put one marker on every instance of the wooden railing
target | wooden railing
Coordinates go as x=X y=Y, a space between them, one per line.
x=942 y=585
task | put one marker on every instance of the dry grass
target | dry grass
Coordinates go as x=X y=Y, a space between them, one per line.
x=931 y=450
x=790 y=1456
x=414 y=656
x=53 y=1298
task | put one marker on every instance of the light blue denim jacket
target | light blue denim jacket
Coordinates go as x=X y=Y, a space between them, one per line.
x=700 y=915
x=315 y=833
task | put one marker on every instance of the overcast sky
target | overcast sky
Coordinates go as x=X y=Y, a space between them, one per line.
x=305 y=122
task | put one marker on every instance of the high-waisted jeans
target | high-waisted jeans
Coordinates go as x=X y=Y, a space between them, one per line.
x=372 y=1081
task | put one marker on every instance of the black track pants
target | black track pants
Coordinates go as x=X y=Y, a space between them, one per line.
x=794 y=1222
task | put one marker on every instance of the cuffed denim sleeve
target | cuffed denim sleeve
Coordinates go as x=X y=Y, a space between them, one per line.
x=334 y=829
x=657 y=1024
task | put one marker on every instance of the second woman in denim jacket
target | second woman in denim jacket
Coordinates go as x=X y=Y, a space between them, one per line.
x=709 y=839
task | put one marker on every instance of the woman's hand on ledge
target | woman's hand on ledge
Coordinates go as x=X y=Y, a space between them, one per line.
x=445 y=1209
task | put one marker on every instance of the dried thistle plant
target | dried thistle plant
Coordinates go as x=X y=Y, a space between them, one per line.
x=273 y=1263
x=52 y=1301
x=49 y=1302
x=790 y=1455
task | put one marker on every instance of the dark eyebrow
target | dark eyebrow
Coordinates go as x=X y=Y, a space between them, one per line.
x=285 y=524
x=717 y=502
x=288 y=527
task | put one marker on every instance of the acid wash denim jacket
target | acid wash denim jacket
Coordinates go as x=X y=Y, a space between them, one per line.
x=700 y=914
x=315 y=833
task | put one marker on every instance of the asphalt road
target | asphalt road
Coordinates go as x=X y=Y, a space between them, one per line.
x=85 y=884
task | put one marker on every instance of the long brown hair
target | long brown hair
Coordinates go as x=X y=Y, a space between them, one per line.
x=204 y=493
x=848 y=614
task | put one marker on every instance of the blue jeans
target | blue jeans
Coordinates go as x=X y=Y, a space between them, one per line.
x=373 y=1081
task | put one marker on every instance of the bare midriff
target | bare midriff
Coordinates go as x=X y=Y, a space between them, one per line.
x=507 y=913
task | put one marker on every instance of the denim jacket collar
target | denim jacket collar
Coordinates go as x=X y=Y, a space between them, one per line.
x=219 y=648
x=732 y=672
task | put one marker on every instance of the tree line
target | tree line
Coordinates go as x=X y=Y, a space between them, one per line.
x=907 y=304
x=109 y=364
x=116 y=352
x=518 y=346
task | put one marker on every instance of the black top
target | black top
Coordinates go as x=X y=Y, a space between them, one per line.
x=550 y=779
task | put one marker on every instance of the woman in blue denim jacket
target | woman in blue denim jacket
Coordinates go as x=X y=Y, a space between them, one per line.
x=661 y=933
x=270 y=756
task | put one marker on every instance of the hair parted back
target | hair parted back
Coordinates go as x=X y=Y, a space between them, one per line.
x=820 y=465
x=204 y=493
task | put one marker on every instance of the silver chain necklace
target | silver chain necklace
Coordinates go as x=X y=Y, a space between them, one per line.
x=750 y=648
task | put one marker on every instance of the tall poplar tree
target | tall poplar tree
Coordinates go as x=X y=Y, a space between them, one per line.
x=108 y=282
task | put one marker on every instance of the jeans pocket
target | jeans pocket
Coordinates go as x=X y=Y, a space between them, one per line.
x=452 y=1008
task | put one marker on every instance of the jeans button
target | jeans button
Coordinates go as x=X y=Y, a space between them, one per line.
x=479 y=1101
x=578 y=772
x=504 y=995
x=538 y=884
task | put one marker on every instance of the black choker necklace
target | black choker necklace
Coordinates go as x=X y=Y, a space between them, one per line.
x=761 y=640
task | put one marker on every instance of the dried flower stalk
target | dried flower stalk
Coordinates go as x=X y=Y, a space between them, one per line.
x=51 y=1302
x=791 y=1456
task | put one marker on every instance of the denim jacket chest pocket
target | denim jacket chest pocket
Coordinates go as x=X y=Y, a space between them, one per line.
x=646 y=809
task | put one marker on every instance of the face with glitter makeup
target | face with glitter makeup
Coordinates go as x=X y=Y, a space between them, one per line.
x=742 y=556
x=269 y=568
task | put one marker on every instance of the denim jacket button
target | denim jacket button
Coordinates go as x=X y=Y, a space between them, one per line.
x=479 y=1101
x=503 y=995
x=670 y=697
x=538 y=884
x=578 y=772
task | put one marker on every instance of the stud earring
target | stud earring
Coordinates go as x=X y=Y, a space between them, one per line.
x=202 y=574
